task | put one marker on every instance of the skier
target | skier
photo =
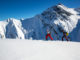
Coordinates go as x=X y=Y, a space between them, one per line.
x=48 y=35
x=65 y=34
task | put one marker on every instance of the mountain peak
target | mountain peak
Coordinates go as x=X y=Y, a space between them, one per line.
x=11 y=19
x=60 y=4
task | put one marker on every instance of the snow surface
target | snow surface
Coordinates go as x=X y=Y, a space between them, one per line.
x=15 y=49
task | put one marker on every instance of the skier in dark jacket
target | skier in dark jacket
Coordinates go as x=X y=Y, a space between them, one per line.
x=65 y=36
x=48 y=35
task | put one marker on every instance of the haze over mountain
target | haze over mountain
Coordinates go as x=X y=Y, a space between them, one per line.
x=55 y=18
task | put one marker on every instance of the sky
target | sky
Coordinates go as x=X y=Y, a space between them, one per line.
x=28 y=8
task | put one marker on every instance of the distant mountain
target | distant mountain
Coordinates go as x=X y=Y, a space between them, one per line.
x=55 y=18
x=11 y=28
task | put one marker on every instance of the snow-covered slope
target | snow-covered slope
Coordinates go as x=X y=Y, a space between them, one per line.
x=11 y=28
x=60 y=18
x=39 y=50
x=55 y=18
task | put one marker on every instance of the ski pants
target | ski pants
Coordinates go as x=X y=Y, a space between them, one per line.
x=64 y=37
x=48 y=35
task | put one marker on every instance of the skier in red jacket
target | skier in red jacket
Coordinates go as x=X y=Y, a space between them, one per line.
x=48 y=35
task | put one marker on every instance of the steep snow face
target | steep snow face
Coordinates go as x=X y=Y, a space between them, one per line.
x=2 y=29
x=59 y=18
x=55 y=18
x=33 y=27
x=11 y=28
x=62 y=16
x=14 y=29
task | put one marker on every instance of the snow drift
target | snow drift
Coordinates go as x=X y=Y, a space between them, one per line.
x=55 y=18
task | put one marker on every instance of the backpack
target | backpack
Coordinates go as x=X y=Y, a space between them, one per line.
x=67 y=34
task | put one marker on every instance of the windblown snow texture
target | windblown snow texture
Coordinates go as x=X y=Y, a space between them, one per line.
x=55 y=18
